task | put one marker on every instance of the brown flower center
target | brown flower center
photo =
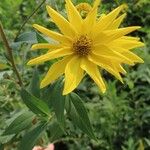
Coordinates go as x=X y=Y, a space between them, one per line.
x=82 y=45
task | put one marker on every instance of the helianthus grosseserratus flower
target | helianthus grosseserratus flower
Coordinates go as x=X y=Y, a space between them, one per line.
x=84 y=9
x=85 y=45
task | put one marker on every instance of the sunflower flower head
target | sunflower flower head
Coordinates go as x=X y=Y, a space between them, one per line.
x=87 y=45
x=125 y=6
x=84 y=9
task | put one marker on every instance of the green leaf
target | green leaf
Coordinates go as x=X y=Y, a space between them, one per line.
x=16 y=45
x=34 y=87
x=19 y=124
x=40 y=38
x=27 y=37
x=36 y=105
x=30 y=138
x=55 y=131
x=6 y=138
x=78 y=114
x=58 y=101
x=44 y=39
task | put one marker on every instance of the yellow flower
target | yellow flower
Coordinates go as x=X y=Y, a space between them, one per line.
x=84 y=9
x=87 y=45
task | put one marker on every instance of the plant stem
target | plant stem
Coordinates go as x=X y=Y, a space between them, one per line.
x=9 y=51
x=29 y=18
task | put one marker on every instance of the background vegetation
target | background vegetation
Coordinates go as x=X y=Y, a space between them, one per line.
x=120 y=118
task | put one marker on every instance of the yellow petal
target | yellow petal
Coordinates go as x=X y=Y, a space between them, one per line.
x=56 y=36
x=110 y=35
x=130 y=38
x=96 y=3
x=132 y=57
x=94 y=73
x=114 y=34
x=116 y=23
x=65 y=27
x=125 y=44
x=119 y=67
x=105 y=60
x=102 y=50
x=73 y=75
x=105 y=21
x=97 y=60
x=90 y=20
x=112 y=62
x=74 y=16
x=51 y=55
x=55 y=71
x=45 y=46
x=126 y=53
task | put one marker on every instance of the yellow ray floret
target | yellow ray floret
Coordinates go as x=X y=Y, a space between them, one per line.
x=56 y=36
x=86 y=45
x=106 y=20
x=93 y=71
x=65 y=27
x=55 y=71
x=116 y=23
x=50 y=55
x=45 y=46
x=108 y=67
x=73 y=74
x=110 y=35
x=126 y=44
x=73 y=15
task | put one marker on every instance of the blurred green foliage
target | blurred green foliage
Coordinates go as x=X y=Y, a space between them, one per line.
x=120 y=118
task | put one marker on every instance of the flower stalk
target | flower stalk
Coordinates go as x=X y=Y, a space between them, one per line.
x=10 y=55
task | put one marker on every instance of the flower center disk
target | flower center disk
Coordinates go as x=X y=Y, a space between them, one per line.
x=82 y=45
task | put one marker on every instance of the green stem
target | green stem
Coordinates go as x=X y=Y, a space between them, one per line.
x=29 y=19
x=10 y=55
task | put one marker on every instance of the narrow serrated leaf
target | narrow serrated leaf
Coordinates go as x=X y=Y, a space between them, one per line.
x=30 y=138
x=78 y=114
x=40 y=38
x=36 y=105
x=55 y=131
x=34 y=87
x=6 y=138
x=19 y=124
x=28 y=37
x=58 y=101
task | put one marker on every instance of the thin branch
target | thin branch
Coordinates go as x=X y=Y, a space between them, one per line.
x=29 y=19
x=10 y=55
